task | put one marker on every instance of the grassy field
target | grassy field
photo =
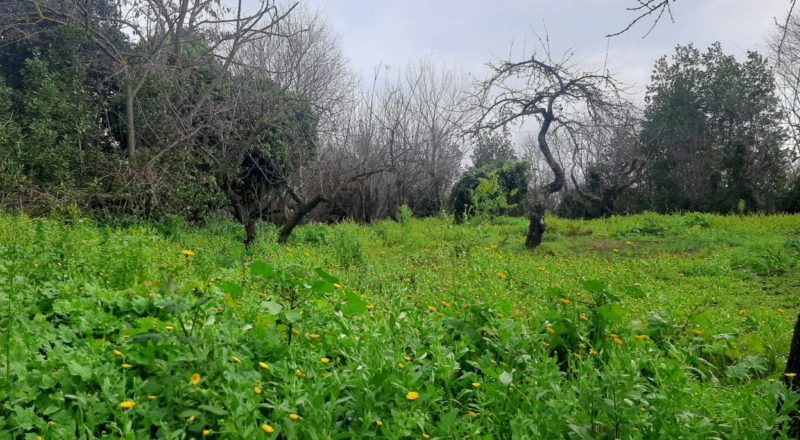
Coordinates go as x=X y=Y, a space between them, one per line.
x=631 y=327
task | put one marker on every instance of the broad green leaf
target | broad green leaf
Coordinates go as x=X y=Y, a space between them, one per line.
x=263 y=270
x=234 y=290
x=354 y=304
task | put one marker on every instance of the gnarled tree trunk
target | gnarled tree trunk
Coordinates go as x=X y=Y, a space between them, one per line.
x=536 y=227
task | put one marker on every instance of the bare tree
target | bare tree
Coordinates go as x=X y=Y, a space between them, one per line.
x=645 y=9
x=785 y=57
x=558 y=94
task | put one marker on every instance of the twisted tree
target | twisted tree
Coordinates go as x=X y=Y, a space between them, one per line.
x=557 y=94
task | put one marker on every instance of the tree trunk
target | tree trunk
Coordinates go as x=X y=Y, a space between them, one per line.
x=301 y=212
x=250 y=233
x=536 y=227
x=130 y=148
x=792 y=381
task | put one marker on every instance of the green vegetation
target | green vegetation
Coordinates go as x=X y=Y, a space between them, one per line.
x=639 y=327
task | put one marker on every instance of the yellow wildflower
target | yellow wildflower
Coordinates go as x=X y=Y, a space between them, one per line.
x=412 y=395
x=370 y=307
x=151 y=397
x=313 y=336
x=126 y=366
x=128 y=404
x=378 y=423
x=263 y=365
x=299 y=373
x=584 y=318
x=192 y=419
x=52 y=423
x=697 y=332
x=401 y=365
x=236 y=360
x=618 y=341
x=117 y=353
x=502 y=275
x=188 y=253
x=207 y=433
x=592 y=352
x=565 y=301
x=642 y=337
x=337 y=285
x=578 y=356
x=790 y=375
x=267 y=428
x=169 y=328
x=407 y=358
x=195 y=380
x=476 y=385
x=550 y=330
x=257 y=389
x=432 y=309
x=426 y=437
x=325 y=360
x=294 y=417
x=582 y=346
x=472 y=414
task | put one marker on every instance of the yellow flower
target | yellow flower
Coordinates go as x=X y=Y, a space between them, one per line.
x=502 y=275
x=195 y=380
x=313 y=336
x=472 y=415
x=267 y=428
x=52 y=423
x=126 y=366
x=582 y=346
x=432 y=309
x=257 y=389
x=151 y=397
x=584 y=318
x=294 y=417
x=401 y=365
x=565 y=301
x=337 y=285
x=128 y=404
x=188 y=253
x=263 y=365
x=236 y=360
x=207 y=433
x=412 y=395
x=642 y=337
x=618 y=341
x=426 y=437
x=578 y=356
x=790 y=375
x=407 y=358
x=378 y=423
x=117 y=353
x=592 y=352
x=697 y=332
x=616 y=251
x=39 y=437
x=370 y=307
x=169 y=328
x=629 y=243
x=550 y=330
x=192 y=419
x=325 y=360
x=299 y=373
x=476 y=384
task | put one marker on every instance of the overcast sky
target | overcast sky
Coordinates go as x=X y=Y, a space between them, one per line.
x=465 y=34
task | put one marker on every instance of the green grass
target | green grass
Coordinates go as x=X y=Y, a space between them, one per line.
x=632 y=327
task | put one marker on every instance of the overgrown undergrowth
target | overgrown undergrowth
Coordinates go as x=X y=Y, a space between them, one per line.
x=632 y=327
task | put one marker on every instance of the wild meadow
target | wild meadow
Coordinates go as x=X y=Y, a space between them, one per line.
x=646 y=326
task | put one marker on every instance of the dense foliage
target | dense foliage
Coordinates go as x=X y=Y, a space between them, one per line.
x=713 y=133
x=639 y=327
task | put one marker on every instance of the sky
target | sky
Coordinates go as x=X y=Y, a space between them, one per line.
x=466 y=34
